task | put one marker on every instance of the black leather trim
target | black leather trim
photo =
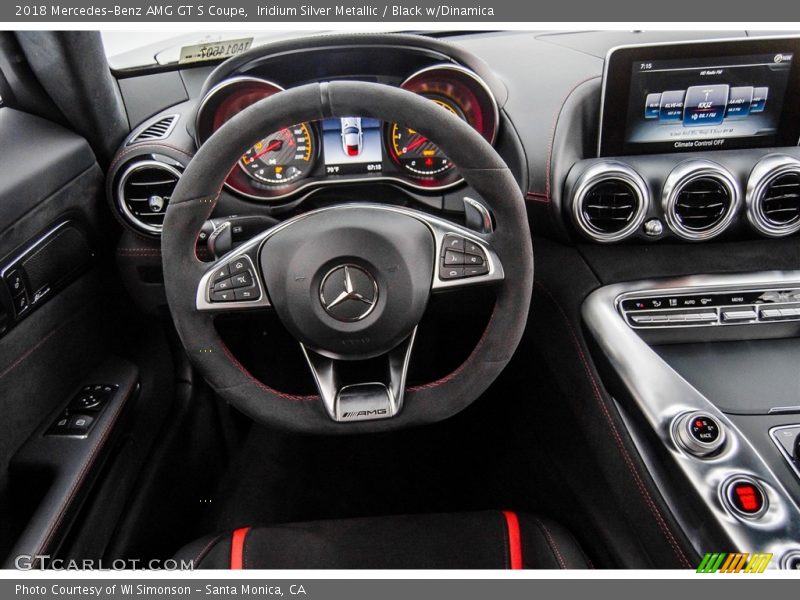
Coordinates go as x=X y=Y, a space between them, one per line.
x=438 y=541
x=30 y=175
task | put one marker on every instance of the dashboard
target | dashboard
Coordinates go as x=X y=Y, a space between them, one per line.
x=665 y=141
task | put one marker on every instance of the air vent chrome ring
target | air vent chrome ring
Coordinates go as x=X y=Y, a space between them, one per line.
x=766 y=173
x=123 y=202
x=693 y=171
x=605 y=172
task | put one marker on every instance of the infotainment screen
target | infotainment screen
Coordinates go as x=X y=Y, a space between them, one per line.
x=705 y=96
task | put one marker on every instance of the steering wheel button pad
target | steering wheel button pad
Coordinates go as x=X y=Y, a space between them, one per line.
x=462 y=258
x=234 y=281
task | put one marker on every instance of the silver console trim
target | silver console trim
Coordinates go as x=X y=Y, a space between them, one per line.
x=661 y=395
x=716 y=311
x=773 y=434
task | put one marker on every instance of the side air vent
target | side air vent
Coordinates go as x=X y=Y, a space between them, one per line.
x=773 y=196
x=700 y=199
x=156 y=131
x=144 y=191
x=610 y=201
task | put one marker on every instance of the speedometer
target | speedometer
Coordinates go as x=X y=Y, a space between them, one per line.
x=282 y=157
x=415 y=153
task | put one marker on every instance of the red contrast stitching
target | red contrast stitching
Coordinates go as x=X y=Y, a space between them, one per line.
x=202 y=554
x=454 y=374
x=136 y=147
x=81 y=476
x=258 y=382
x=545 y=197
x=552 y=543
x=537 y=197
x=29 y=351
x=654 y=510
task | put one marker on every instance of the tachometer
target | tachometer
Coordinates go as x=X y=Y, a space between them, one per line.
x=283 y=157
x=415 y=153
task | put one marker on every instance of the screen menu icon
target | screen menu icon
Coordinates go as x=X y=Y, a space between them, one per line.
x=705 y=104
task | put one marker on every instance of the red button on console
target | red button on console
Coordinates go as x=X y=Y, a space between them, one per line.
x=746 y=497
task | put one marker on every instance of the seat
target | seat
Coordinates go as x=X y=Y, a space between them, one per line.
x=477 y=540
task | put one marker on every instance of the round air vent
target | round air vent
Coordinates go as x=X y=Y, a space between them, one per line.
x=700 y=199
x=773 y=195
x=143 y=193
x=610 y=201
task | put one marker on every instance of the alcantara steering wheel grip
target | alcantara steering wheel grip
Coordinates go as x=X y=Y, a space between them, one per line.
x=352 y=281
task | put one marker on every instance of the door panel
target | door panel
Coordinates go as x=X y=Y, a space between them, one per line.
x=48 y=176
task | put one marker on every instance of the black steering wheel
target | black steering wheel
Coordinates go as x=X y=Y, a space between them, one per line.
x=352 y=281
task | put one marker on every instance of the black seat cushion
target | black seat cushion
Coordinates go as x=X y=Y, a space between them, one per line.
x=479 y=540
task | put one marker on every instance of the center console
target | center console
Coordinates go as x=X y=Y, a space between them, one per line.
x=704 y=368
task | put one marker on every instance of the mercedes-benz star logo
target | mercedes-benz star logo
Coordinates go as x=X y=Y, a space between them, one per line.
x=348 y=293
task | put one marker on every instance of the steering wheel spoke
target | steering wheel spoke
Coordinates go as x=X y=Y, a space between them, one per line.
x=232 y=283
x=362 y=401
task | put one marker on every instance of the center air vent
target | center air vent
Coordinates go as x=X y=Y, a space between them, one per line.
x=700 y=199
x=610 y=201
x=144 y=191
x=773 y=196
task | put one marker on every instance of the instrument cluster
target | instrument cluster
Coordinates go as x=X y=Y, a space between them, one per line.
x=348 y=149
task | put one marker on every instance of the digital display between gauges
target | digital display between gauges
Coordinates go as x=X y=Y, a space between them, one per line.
x=282 y=157
x=417 y=154
x=352 y=146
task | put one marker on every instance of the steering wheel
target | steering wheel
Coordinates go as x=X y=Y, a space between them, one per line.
x=349 y=282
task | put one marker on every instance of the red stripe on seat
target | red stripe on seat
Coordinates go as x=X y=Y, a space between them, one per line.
x=514 y=543
x=237 y=547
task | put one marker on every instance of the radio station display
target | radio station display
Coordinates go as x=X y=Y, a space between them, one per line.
x=695 y=97
x=699 y=104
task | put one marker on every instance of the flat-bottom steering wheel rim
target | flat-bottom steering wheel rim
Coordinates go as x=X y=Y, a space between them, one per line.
x=478 y=163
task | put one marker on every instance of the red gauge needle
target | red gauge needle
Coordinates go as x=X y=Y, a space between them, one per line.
x=417 y=142
x=273 y=145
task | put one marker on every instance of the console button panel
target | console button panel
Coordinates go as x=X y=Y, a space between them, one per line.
x=711 y=309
